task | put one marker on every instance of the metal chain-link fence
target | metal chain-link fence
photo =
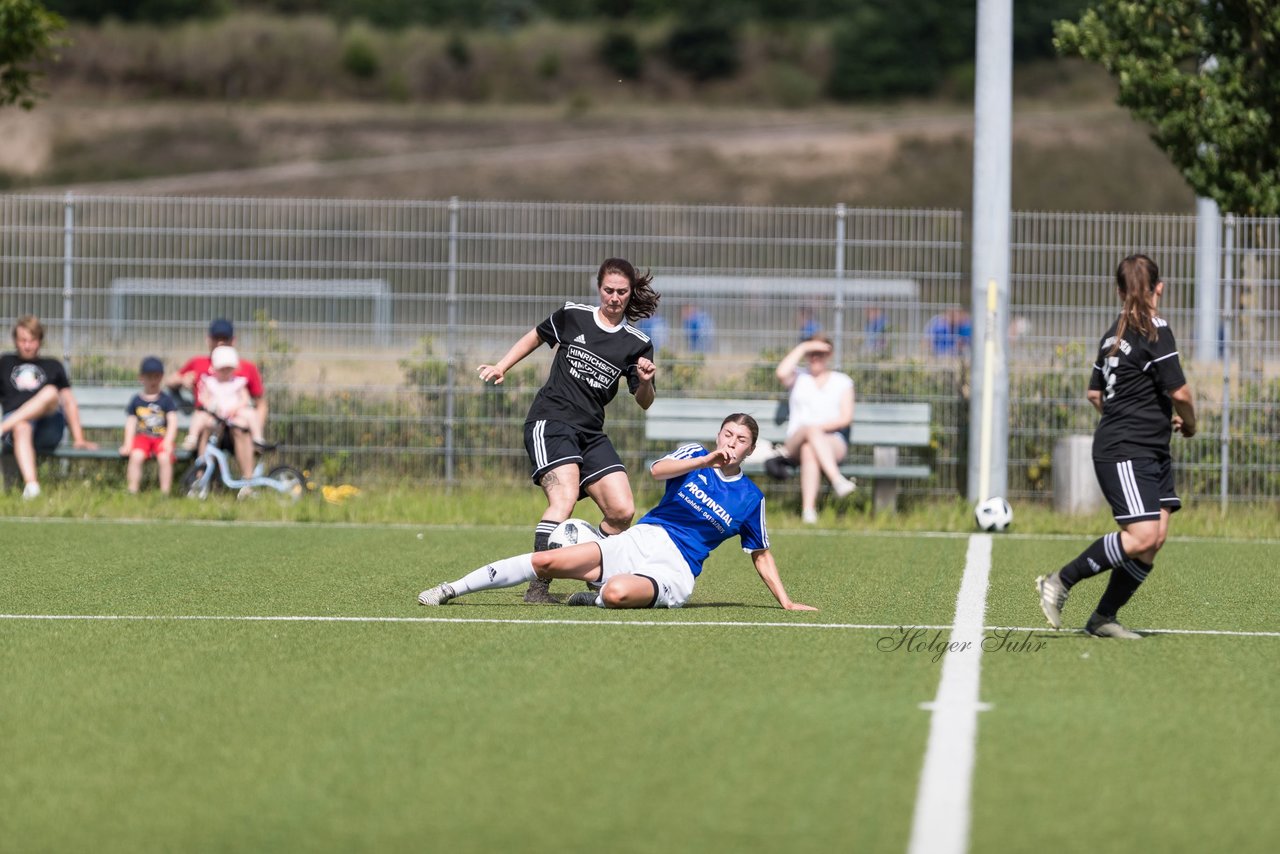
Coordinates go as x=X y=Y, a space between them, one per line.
x=368 y=318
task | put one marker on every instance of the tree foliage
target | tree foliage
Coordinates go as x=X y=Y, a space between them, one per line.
x=156 y=11
x=889 y=48
x=1206 y=77
x=28 y=37
x=704 y=43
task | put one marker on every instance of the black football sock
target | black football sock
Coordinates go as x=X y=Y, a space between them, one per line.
x=1101 y=555
x=540 y=534
x=604 y=532
x=1125 y=579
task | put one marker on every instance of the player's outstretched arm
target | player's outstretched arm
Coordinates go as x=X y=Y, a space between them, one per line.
x=668 y=467
x=767 y=567
x=529 y=342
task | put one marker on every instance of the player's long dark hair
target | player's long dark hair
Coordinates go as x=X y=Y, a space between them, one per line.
x=1136 y=277
x=644 y=299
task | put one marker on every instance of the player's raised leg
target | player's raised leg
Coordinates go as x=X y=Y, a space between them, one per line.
x=581 y=561
x=43 y=402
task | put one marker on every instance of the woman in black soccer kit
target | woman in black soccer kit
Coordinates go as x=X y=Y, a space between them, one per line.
x=1138 y=387
x=596 y=346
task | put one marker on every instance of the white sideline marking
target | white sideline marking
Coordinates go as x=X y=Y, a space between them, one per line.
x=602 y=623
x=941 y=821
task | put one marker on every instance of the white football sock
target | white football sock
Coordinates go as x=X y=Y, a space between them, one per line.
x=507 y=572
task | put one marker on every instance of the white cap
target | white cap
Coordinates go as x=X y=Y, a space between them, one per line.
x=225 y=357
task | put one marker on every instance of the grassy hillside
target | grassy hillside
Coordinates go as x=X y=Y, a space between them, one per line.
x=1088 y=157
x=260 y=106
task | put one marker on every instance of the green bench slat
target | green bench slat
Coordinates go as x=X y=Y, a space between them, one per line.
x=684 y=430
x=900 y=435
x=679 y=420
x=103 y=396
x=69 y=452
x=690 y=408
x=102 y=407
x=872 y=472
x=865 y=470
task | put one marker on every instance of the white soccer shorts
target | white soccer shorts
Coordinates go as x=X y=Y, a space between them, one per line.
x=646 y=550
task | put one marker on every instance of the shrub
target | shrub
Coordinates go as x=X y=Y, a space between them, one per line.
x=705 y=46
x=549 y=65
x=359 y=56
x=905 y=47
x=620 y=52
x=458 y=51
x=877 y=54
x=791 y=87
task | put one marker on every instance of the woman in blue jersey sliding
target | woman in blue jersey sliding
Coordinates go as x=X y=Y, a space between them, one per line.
x=655 y=562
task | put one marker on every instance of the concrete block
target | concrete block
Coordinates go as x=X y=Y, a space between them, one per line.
x=1075 y=486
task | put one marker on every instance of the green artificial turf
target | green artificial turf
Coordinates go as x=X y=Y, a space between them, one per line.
x=489 y=724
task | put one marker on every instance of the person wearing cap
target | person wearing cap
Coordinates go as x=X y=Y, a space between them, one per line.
x=225 y=394
x=150 y=428
x=222 y=332
x=38 y=403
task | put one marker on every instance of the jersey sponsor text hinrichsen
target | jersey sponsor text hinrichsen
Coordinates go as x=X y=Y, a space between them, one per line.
x=590 y=358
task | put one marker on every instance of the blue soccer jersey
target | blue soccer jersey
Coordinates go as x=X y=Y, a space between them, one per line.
x=703 y=508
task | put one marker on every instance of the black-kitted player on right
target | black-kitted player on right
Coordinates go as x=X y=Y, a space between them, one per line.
x=1138 y=387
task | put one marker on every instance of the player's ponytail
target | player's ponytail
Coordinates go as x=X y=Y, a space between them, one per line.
x=644 y=299
x=1136 y=278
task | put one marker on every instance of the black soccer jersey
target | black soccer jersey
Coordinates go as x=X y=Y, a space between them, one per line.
x=1135 y=383
x=20 y=378
x=590 y=359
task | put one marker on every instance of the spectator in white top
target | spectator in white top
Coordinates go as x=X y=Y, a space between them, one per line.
x=225 y=394
x=821 y=412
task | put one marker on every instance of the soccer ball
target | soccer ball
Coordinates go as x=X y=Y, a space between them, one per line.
x=570 y=532
x=994 y=514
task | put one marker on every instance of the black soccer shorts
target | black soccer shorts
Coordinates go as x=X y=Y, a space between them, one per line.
x=551 y=444
x=1138 y=489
